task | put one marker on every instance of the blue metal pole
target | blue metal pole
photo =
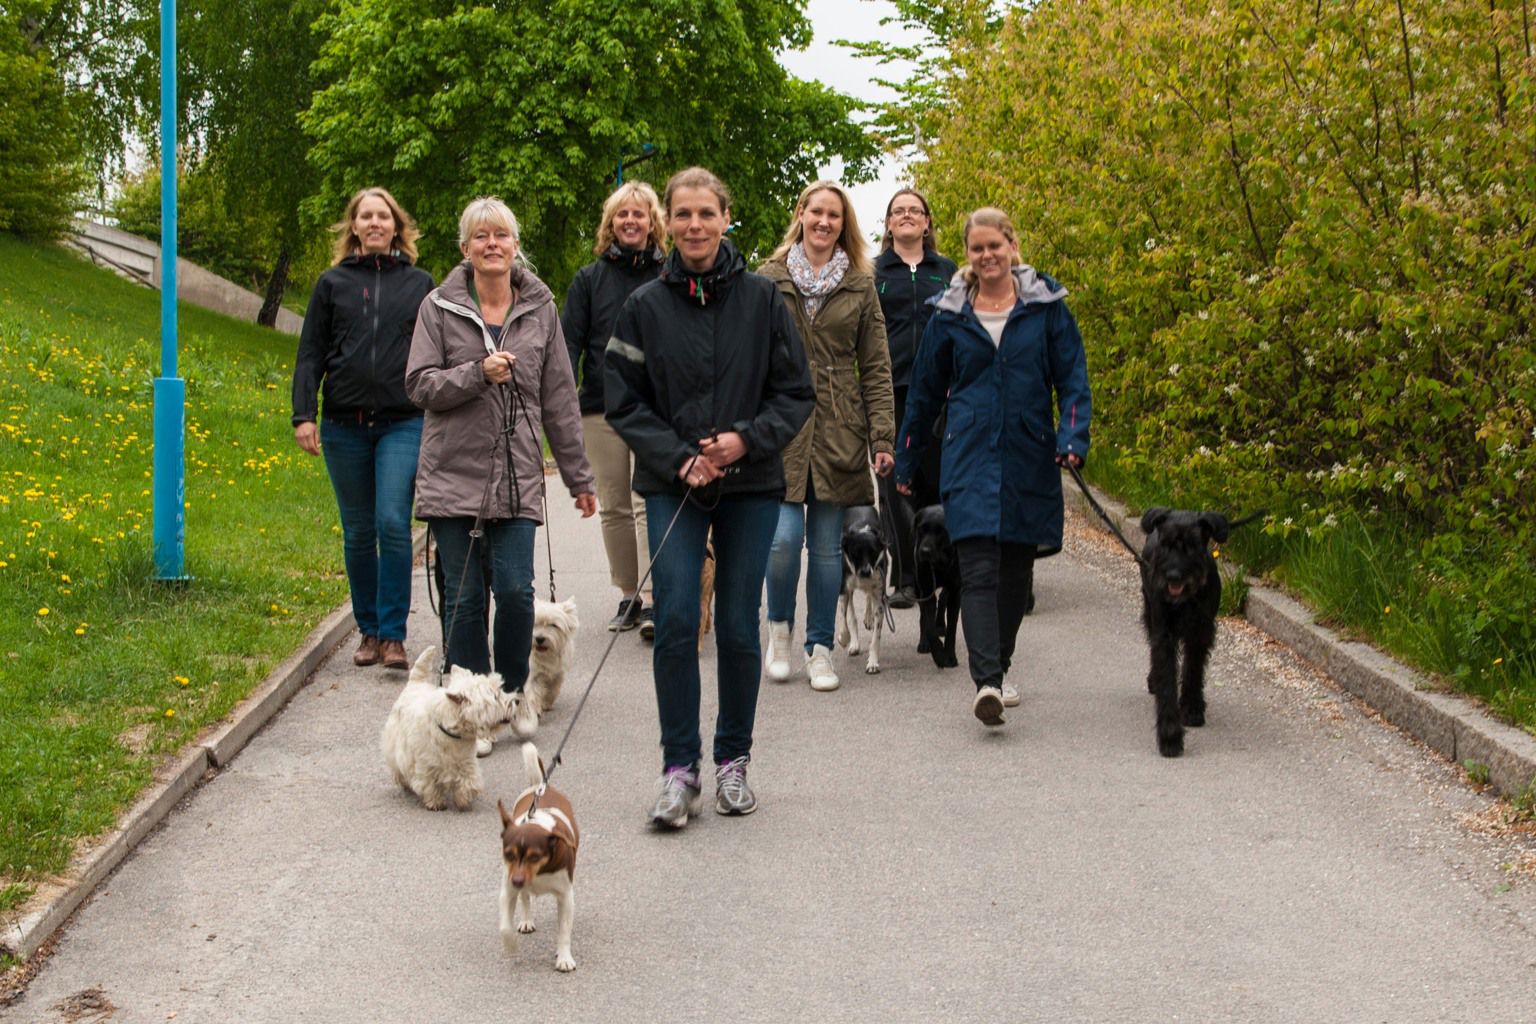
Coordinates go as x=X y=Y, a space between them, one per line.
x=170 y=487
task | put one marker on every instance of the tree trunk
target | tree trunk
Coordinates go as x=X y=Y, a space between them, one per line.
x=276 y=285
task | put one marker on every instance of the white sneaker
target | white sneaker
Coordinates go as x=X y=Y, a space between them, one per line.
x=776 y=663
x=819 y=668
x=1010 y=696
x=988 y=705
x=483 y=746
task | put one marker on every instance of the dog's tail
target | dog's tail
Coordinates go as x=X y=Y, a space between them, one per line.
x=533 y=765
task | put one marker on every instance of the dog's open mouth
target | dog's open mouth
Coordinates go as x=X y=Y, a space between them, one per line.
x=1175 y=590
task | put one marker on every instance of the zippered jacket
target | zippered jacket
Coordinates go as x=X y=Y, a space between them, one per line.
x=592 y=305
x=1013 y=407
x=464 y=469
x=851 y=372
x=906 y=296
x=356 y=335
x=693 y=355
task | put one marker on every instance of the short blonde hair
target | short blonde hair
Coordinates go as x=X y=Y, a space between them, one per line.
x=491 y=210
x=986 y=217
x=849 y=238
x=639 y=194
x=347 y=241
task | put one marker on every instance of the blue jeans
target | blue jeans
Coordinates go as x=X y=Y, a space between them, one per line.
x=743 y=531
x=373 y=471
x=816 y=526
x=507 y=549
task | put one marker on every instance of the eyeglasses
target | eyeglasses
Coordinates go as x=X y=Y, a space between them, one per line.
x=908 y=211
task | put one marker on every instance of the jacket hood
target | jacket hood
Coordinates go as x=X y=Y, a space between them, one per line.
x=729 y=265
x=531 y=292
x=1031 y=285
x=375 y=259
x=637 y=258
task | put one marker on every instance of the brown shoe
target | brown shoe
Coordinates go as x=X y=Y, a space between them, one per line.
x=367 y=651
x=392 y=652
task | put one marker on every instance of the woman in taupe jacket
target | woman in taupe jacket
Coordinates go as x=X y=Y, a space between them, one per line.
x=824 y=274
x=489 y=366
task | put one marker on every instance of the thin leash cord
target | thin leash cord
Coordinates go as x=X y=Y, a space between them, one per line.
x=521 y=402
x=554 y=762
x=1093 y=503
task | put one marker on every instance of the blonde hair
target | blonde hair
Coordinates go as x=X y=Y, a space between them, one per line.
x=986 y=217
x=637 y=193
x=887 y=242
x=491 y=210
x=347 y=241
x=851 y=241
x=696 y=177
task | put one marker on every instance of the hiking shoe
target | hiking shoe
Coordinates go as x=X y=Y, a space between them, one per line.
x=776 y=664
x=903 y=597
x=392 y=654
x=1011 y=696
x=648 y=625
x=988 y=705
x=732 y=794
x=483 y=746
x=628 y=615
x=677 y=797
x=367 y=651
x=819 y=668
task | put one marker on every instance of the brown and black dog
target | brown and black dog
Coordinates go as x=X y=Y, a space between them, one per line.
x=538 y=850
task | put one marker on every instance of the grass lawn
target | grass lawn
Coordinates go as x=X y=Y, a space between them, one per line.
x=104 y=671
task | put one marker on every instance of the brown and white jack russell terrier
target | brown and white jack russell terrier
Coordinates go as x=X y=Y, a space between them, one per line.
x=538 y=850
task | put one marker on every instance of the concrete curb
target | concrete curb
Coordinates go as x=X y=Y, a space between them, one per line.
x=1451 y=724
x=25 y=936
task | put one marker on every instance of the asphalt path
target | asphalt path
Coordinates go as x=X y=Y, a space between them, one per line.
x=1301 y=862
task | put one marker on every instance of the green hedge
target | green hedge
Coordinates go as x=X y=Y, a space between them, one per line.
x=1299 y=242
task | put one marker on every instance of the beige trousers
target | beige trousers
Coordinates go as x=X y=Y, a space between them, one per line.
x=620 y=510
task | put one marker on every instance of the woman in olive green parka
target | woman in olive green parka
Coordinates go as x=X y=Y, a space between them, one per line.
x=824 y=275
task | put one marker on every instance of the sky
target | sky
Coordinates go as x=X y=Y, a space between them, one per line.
x=839 y=68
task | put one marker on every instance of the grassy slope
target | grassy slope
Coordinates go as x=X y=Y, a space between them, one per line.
x=106 y=672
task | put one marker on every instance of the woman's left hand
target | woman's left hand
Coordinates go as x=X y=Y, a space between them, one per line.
x=587 y=504
x=884 y=463
x=723 y=449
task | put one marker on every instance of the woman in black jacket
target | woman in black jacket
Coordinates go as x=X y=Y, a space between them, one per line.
x=357 y=333
x=909 y=272
x=706 y=380
x=629 y=253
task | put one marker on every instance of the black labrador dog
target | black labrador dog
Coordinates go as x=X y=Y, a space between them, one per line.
x=937 y=571
x=866 y=564
x=1181 y=592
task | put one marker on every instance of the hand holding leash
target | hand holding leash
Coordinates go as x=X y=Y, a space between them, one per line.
x=885 y=462
x=497 y=367
x=723 y=449
x=587 y=504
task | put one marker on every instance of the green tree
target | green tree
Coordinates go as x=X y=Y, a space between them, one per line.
x=41 y=156
x=440 y=101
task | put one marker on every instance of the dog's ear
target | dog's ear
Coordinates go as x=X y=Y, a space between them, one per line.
x=506 y=819
x=569 y=606
x=1214 y=526
x=456 y=697
x=1153 y=517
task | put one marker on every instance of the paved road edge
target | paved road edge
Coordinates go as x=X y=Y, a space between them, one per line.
x=1454 y=725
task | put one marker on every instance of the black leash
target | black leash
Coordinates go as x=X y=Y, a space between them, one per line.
x=1093 y=503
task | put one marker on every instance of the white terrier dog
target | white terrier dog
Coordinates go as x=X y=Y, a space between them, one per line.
x=429 y=737
x=554 y=641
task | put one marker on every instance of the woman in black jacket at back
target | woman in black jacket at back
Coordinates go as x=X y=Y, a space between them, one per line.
x=629 y=253
x=357 y=333
x=706 y=380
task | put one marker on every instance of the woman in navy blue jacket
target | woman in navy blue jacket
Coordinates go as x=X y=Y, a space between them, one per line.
x=1004 y=348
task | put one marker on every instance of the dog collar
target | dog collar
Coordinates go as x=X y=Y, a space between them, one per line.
x=450 y=735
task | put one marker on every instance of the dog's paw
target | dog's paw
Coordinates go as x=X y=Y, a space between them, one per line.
x=525 y=720
x=564 y=962
x=1170 y=746
x=944 y=658
x=873 y=667
x=526 y=927
x=1194 y=717
x=843 y=636
x=854 y=647
x=923 y=646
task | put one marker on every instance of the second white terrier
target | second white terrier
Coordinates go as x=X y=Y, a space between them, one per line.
x=429 y=737
x=554 y=642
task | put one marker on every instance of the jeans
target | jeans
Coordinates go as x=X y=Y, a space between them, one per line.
x=373 y=471
x=995 y=582
x=507 y=548
x=743 y=530
x=818 y=527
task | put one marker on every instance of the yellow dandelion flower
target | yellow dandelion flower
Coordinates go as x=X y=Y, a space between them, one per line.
x=181 y=680
x=42 y=611
x=80 y=630
x=170 y=712
x=1387 y=610
x=1498 y=661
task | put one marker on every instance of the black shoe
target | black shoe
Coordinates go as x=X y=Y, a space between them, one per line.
x=903 y=597
x=647 y=625
x=628 y=617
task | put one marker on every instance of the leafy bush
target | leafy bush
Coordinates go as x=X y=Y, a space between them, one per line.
x=1300 y=242
x=41 y=167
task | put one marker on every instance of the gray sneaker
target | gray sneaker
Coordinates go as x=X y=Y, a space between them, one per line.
x=732 y=794
x=677 y=796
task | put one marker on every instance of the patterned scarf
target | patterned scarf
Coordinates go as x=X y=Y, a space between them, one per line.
x=814 y=285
